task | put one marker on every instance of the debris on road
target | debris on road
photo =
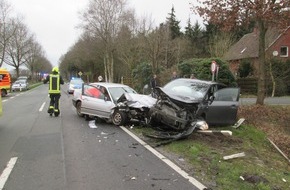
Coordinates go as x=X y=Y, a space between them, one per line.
x=236 y=125
x=92 y=124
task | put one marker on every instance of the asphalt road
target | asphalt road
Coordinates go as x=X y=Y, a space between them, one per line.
x=285 y=100
x=55 y=153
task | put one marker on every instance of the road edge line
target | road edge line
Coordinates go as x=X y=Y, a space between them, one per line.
x=41 y=107
x=7 y=171
x=184 y=174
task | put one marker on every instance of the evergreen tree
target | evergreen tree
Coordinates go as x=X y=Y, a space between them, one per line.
x=173 y=24
x=188 y=30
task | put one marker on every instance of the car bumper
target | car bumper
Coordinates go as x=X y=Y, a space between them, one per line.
x=70 y=91
x=18 y=89
x=74 y=102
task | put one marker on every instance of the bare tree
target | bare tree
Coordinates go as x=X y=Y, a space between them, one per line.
x=7 y=28
x=34 y=59
x=228 y=14
x=104 y=19
x=129 y=46
x=82 y=57
x=220 y=43
x=19 y=45
x=154 y=45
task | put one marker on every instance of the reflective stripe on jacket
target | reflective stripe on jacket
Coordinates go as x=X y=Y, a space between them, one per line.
x=54 y=84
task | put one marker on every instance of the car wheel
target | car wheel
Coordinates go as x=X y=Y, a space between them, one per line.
x=87 y=117
x=3 y=92
x=119 y=118
x=78 y=108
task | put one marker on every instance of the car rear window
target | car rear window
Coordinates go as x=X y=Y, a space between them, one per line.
x=78 y=81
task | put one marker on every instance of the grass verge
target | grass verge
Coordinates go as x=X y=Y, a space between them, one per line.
x=201 y=156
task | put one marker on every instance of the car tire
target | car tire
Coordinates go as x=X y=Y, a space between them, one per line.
x=78 y=109
x=3 y=92
x=119 y=118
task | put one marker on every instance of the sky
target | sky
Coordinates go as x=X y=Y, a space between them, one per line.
x=54 y=22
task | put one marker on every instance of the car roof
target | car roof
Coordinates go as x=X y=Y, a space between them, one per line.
x=198 y=81
x=108 y=84
x=21 y=80
x=74 y=78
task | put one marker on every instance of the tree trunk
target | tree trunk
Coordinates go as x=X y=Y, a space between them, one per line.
x=105 y=66
x=17 y=71
x=261 y=71
x=273 y=80
x=112 y=67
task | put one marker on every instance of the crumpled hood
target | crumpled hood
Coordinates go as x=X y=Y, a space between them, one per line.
x=137 y=100
x=178 y=97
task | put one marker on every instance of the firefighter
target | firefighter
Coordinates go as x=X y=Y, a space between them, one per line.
x=55 y=80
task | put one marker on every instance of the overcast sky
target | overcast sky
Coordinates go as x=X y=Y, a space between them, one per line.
x=54 y=21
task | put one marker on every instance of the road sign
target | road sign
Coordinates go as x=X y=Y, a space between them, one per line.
x=80 y=73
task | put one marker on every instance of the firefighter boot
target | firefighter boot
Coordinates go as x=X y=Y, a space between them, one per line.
x=50 y=110
x=56 y=112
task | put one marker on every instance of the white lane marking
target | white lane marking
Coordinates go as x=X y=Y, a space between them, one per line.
x=167 y=161
x=42 y=106
x=6 y=172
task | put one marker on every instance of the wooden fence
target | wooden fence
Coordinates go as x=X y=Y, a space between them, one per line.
x=248 y=85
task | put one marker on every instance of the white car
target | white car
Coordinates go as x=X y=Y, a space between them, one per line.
x=20 y=85
x=75 y=83
x=106 y=101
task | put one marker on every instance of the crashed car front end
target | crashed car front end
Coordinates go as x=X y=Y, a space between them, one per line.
x=175 y=112
x=132 y=107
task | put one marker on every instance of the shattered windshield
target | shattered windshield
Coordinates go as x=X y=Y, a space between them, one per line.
x=188 y=88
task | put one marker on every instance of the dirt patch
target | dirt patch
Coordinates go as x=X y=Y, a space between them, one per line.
x=273 y=120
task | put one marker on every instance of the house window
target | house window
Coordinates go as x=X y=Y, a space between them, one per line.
x=284 y=51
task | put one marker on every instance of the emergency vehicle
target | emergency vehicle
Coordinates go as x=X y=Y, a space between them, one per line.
x=5 y=82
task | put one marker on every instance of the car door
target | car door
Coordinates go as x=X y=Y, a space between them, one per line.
x=224 y=108
x=94 y=102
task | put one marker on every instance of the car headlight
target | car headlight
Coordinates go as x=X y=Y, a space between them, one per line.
x=121 y=104
x=202 y=125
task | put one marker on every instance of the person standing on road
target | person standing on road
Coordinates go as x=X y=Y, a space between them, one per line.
x=153 y=85
x=174 y=75
x=55 y=80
